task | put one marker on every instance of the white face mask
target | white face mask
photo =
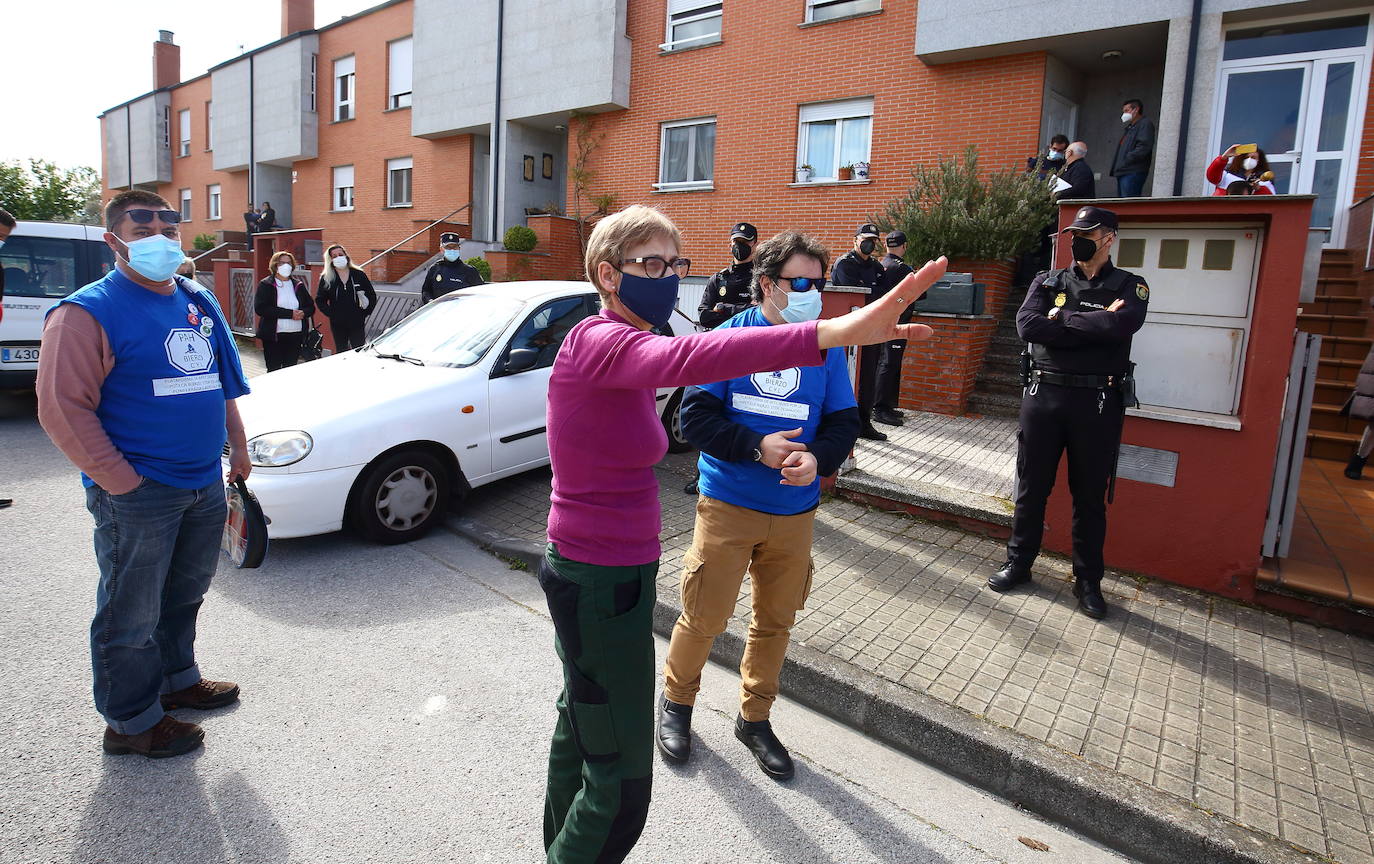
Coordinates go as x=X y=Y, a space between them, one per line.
x=1126 y=117
x=340 y=262
x=284 y=270
x=1054 y=155
x=1251 y=164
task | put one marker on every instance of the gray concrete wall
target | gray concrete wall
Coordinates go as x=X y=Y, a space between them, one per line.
x=1063 y=79
x=116 y=143
x=152 y=162
x=229 y=125
x=274 y=184
x=518 y=193
x=285 y=129
x=480 y=213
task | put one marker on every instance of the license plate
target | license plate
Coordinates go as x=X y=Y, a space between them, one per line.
x=19 y=355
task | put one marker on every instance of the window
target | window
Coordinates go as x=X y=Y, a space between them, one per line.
x=209 y=125
x=185 y=205
x=691 y=22
x=687 y=154
x=543 y=333
x=398 y=182
x=399 y=73
x=39 y=267
x=184 y=132
x=829 y=10
x=343 y=89
x=212 y=198
x=314 y=72
x=343 y=187
x=166 y=127
x=834 y=134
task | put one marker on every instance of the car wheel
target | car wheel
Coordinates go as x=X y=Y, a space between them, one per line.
x=672 y=424
x=402 y=496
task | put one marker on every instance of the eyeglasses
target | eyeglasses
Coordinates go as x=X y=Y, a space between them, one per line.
x=804 y=283
x=143 y=217
x=656 y=266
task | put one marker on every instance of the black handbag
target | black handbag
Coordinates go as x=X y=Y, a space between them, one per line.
x=245 y=529
x=312 y=345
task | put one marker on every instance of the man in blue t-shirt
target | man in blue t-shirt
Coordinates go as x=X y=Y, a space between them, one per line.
x=136 y=386
x=766 y=440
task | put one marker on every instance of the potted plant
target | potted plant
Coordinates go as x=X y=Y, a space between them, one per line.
x=804 y=173
x=860 y=170
x=846 y=172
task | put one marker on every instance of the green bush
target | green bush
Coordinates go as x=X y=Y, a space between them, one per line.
x=951 y=210
x=518 y=238
x=204 y=242
x=478 y=263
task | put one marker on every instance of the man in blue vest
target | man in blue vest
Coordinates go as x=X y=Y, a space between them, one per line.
x=136 y=386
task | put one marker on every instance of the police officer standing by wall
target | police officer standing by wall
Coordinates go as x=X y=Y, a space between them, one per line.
x=1079 y=322
x=858 y=268
x=887 y=388
x=727 y=293
x=449 y=273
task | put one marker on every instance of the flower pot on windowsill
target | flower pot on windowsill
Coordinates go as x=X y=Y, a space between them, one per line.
x=803 y=173
x=860 y=170
x=844 y=173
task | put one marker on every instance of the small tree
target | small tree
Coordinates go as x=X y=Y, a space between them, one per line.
x=478 y=263
x=43 y=192
x=951 y=210
x=203 y=242
x=519 y=238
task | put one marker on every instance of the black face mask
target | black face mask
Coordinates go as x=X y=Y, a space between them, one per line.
x=740 y=249
x=1084 y=248
x=867 y=246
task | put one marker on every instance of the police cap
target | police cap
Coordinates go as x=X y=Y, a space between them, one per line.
x=449 y=237
x=744 y=231
x=1089 y=218
x=868 y=229
x=896 y=238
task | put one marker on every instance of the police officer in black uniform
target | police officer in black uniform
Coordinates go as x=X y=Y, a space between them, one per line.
x=1079 y=322
x=727 y=293
x=450 y=272
x=888 y=384
x=859 y=268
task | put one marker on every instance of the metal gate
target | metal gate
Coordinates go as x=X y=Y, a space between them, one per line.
x=392 y=306
x=1297 y=410
x=242 y=289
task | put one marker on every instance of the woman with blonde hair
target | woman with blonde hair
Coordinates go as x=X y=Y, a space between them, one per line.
x=598 y=570
x=284 y=310
x=346 y=297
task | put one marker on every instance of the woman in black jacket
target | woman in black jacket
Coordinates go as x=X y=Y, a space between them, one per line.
x=285 y=310
x=346 y=297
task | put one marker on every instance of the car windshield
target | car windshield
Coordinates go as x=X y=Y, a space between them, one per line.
x=454 y=331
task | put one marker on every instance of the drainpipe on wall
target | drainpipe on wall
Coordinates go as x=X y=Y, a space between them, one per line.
x=494 y=175
x=129 y=142
x=252 y=135
x=1189 y=74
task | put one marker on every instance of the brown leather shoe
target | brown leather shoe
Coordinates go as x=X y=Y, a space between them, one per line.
x=202 y=696
x=170 y=737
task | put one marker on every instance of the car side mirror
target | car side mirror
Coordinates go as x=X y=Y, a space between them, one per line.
x=521 y=360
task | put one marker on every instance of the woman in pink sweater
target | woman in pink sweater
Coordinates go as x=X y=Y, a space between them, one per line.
x=598 y=572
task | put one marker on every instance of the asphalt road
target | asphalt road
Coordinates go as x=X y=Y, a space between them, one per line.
x=397 y=705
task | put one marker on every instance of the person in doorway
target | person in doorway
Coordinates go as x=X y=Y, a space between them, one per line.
x=1078 y=174
x=727 y=292
x=252 y=224
x=859 y=268
x=766 y=440
x=450 y=272
x=1360 y=405
x=1079 y=322
x=1245 y=173
x=7 y=223
x=1051 y=161
x=346 y=297
x=1134 y=150
x=284 y=310
x=137 y=386
x=888 y=375
x=598 y=571
x=267 y=220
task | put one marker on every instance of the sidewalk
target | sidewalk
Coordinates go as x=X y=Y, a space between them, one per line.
x=1242 y=713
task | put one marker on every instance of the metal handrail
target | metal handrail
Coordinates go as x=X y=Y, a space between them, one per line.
x=393 y=247
x=215 y=249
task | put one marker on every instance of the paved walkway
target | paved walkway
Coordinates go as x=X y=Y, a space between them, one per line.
x=973 y=454
x=1332 y=554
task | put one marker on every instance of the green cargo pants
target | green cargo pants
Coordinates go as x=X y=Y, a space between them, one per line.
x=601 y=760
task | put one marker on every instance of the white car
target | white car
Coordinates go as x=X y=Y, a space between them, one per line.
x=449 y=398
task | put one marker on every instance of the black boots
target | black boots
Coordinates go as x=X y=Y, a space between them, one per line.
x=1008 y=577
x=1355 y=468
x=887 y=416
x=866 y=429
x=674 y=731
x=772 y=757
x=1090 y=600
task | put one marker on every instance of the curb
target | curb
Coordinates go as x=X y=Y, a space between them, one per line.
x=1115 y=810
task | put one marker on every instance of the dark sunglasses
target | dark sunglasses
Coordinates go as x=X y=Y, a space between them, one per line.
x=656 y=266
x=803 y=283
x=143 y=217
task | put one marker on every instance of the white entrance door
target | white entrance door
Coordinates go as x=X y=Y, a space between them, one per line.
x=1302 y=114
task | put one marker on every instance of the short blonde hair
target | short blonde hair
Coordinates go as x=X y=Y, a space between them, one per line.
x=620 y=232
x=276 y=259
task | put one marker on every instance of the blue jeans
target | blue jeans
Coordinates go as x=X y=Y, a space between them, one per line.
x=1130 y=185
x=157 y=548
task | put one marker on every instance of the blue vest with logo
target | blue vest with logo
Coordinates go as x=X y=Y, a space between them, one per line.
x=175 y=364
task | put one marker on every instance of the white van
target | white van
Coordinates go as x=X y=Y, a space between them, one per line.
x=43 y=262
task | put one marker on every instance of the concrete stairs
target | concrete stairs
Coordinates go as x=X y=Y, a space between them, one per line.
x=1340 y=315
x=997 y=392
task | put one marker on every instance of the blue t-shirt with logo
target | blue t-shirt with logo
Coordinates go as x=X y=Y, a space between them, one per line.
x=175 y=364
x=768 y=402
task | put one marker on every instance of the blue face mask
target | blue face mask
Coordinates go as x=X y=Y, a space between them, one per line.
x=802 y=306
x=452 y=254
x=650 y=299
x=155 y=258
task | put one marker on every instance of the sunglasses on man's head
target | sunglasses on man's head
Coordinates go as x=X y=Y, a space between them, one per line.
x=143 y=217
x=803 y=283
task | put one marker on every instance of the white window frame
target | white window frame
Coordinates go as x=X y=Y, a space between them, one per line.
x=184 y=132
x=709 y=182
x=184 y=202
x=314 y=81
x=345 y=68
x=339 y=201
x=212 y=201
x=690 y=12
x=400 y=81
x=406 y=164
x=823 y=112
x=812 y=5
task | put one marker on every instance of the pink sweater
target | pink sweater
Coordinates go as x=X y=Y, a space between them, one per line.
x=604 y=431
